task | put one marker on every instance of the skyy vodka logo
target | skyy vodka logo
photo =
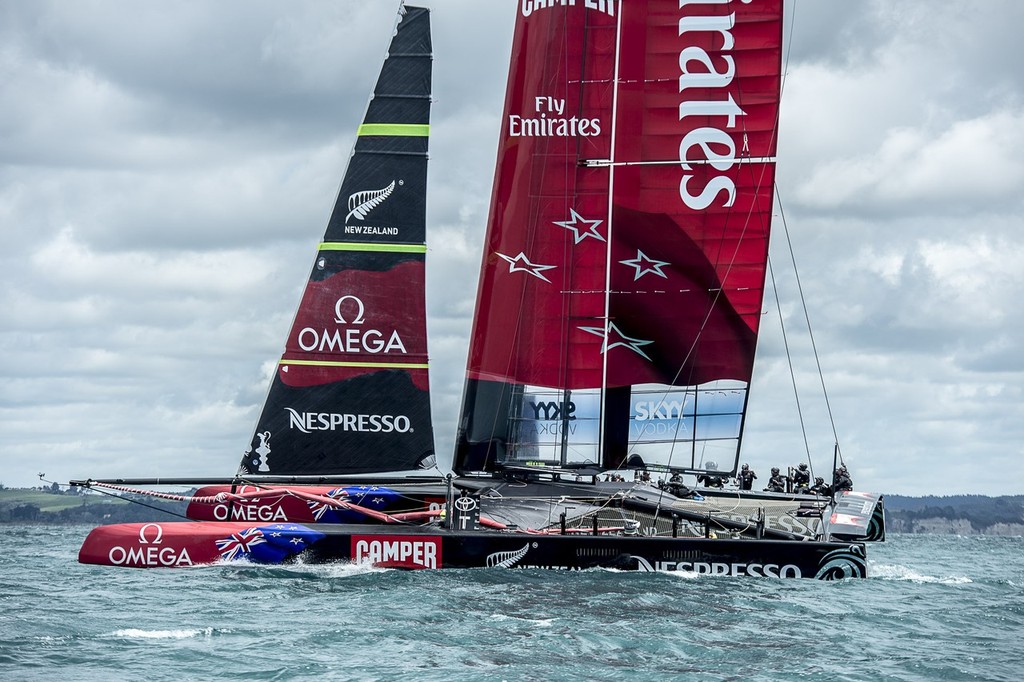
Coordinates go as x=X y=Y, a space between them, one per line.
x=701 y=70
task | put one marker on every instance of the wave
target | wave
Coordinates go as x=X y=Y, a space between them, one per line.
x=900 y=572
x=185 y=633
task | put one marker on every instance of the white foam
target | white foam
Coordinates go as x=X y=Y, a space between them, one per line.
x=538 y=622
x=900 y=572
x=135 y=633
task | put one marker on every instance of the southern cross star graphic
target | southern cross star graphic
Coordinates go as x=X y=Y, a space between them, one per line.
x=575 y=219
x=522 y=264
x=614 y=337
x=645 y=264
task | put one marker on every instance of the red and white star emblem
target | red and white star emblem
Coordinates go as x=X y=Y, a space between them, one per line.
x=613 y=338
x=522 y=264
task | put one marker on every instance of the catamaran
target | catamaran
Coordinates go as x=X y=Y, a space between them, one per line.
x=616 y=323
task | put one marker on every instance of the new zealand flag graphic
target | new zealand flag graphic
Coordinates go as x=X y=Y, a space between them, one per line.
x=268 y=544
x=369 y=496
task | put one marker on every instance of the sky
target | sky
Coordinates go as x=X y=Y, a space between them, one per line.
x=167 y=169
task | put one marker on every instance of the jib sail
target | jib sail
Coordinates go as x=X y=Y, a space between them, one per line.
x=350 y=394
x=624 y=262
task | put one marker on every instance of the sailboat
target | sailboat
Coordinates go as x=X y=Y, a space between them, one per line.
x=616 y=323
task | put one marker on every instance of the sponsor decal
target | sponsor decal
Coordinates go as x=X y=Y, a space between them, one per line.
x=807 y=527
x=307 y=422
x=706 y=72
x=661 y=418
x=249 y=510
x=397 y=551
x=755 y=570
x=551 y=417
x=552 y=411
x=547 y=120
x=528 y=7
x=150 y=551
x=351 y=336
x=660 y=409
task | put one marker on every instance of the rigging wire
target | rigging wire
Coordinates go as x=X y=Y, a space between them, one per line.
x=789 y=360
x=134 y=501
x=807 y=320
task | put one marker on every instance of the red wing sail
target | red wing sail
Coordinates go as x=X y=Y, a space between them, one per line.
x=625 y=256
x=350 y=394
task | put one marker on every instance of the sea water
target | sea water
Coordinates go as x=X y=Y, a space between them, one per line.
x=934 y=608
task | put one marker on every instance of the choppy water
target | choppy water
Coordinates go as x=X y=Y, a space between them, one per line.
x=935 y=608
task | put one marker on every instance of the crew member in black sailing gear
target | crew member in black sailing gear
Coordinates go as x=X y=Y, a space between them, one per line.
x=709 y=481
x=777 y=483
x=746 y=477
x=675 y=486
x=819 y=487
x=841 y=480
x=801 y=479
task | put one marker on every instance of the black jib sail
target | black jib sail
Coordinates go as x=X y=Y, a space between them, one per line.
x=350 y=394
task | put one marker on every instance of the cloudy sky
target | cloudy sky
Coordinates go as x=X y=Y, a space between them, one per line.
x=167 y=169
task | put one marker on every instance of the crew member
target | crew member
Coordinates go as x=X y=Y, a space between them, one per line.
x=676 y=487
x=841 y=479
x=820 y=488
x=710 y=481
x=801 y=479
x=777 y=483
x=746 y=477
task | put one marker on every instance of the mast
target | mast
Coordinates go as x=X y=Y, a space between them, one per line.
x=603 y=449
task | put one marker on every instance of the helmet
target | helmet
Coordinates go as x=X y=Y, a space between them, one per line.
x=745 y=467
x=775 y=470
x=802 y=465
x=819 y=480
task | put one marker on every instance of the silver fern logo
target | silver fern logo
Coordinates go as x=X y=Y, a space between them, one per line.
x=361 y=203
x=507 y=559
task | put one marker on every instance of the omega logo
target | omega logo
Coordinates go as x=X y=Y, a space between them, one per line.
x=339 y=317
